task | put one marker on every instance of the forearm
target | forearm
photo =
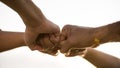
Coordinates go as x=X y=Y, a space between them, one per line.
x=108 y=33
x=27 y=10
x=10 y=40
x=101 y=60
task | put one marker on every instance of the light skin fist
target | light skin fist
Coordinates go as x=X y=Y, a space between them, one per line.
x=36 y=24
x=42 y=37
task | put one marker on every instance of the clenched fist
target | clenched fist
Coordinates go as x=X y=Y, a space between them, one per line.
x=74 y=39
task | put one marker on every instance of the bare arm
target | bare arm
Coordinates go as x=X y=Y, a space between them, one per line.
x=27 y=10
x=108 y=33
x=87 y=37
x=10 y=40
x=35 y=21
x=101 y=60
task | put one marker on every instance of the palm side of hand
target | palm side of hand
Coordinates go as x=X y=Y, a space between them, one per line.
x=39 y=38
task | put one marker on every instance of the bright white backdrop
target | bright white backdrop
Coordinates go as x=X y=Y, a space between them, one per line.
x=92 y=13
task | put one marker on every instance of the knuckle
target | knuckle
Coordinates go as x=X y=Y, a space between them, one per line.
x=67 y=26
x=62 y=51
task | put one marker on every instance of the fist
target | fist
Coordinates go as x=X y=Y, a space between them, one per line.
x=74 y=39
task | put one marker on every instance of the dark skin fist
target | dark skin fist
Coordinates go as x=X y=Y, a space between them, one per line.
x=74 y=39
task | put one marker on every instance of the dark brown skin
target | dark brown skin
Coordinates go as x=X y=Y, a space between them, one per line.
x=76 y=37
x=36 y=23
x=81 y=37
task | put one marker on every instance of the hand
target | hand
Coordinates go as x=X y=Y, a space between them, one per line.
x=49 y=43
x=42 y=37
x=75 y=39
x=36 y=24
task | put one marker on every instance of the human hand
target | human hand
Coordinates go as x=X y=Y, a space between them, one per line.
x=74 y=39
x=49 y=43
x=42 y=37
x=36 y=23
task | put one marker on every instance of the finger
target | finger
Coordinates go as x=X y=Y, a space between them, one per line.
x=63 y=35
x=37 y=47
x=65 y=39
x=30 y=39
x=66 y=31
x=48 y=45
x=55 y=38
x=64 y=46
x=46 y=42
x=75 y=51
x=40 y=42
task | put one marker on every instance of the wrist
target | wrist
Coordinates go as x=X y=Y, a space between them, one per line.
x=31 y=14
x=100 y=35
x=108 y=33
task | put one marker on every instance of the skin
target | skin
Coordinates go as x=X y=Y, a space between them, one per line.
x=36 y=23
x=10 y=40
x=76 y=38
x=100 y=59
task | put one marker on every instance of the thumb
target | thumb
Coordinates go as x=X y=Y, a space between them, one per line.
x=64 y=46
x=55 y=38
x=30 y=40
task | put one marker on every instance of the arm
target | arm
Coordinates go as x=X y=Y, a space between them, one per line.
x=75 y=38
x=101 y=60
x=36 y=24
x=28 y=11
x=108 y=33
x=10 y=40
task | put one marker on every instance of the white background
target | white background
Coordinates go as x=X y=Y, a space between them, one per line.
x=92 y=13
